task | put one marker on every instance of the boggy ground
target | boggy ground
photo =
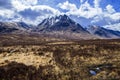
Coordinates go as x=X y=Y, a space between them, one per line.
x=61 y=60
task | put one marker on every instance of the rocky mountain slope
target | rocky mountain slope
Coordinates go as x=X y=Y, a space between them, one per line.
x=102 y=32
x=63 y=26
x=12 y=27
x=60 y=23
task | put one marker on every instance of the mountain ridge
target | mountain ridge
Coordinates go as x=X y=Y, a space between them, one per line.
x=59 y=26
x=59 y=23
x=103 y=32
x=63 y=26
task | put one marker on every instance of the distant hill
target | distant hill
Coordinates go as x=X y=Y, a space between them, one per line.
x=12 y=27
x=103 y=32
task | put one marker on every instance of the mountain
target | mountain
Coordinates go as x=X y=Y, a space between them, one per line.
x=60 y=23
x=23 y=25
x=62 y=26
x=103 y=32
x=10 y=27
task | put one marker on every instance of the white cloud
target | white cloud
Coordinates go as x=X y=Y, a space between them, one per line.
x=111 y=13
x=97 y=3
x=24 y=2
x=18 y=5
x=45 y=7
x=30 y=2
x=43 y=11
x=89 y=11
x=21 y=5
x=115 y=16
x=81 y=1
x=110 y=9
x=96 y=19
x=95 y=13
x=113 y=26
x=67 y=6
x=7 y=13
x=85 y=10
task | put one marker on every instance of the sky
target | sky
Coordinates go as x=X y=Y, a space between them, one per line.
x=85 y=12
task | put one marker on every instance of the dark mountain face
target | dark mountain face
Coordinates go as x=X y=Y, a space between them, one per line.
x=23 y=25
x=102 y=32
x=60 y=23
x=9 y=27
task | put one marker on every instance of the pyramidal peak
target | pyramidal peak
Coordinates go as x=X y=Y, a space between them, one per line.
x=60 y=23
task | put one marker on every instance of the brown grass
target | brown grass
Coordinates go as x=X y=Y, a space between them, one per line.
x=71 y=60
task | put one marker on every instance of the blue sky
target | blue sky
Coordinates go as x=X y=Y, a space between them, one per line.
x=85 y=12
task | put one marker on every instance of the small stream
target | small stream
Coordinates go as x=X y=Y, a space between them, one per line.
x=96 y=69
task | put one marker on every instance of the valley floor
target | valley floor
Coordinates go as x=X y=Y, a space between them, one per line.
x=59 y=60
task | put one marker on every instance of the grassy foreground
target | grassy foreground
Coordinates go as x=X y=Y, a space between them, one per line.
x=61 y=60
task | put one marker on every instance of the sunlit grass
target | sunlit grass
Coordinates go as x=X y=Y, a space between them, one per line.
x=67 y=61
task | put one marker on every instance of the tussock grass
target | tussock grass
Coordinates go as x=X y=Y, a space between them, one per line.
x=71 y=60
